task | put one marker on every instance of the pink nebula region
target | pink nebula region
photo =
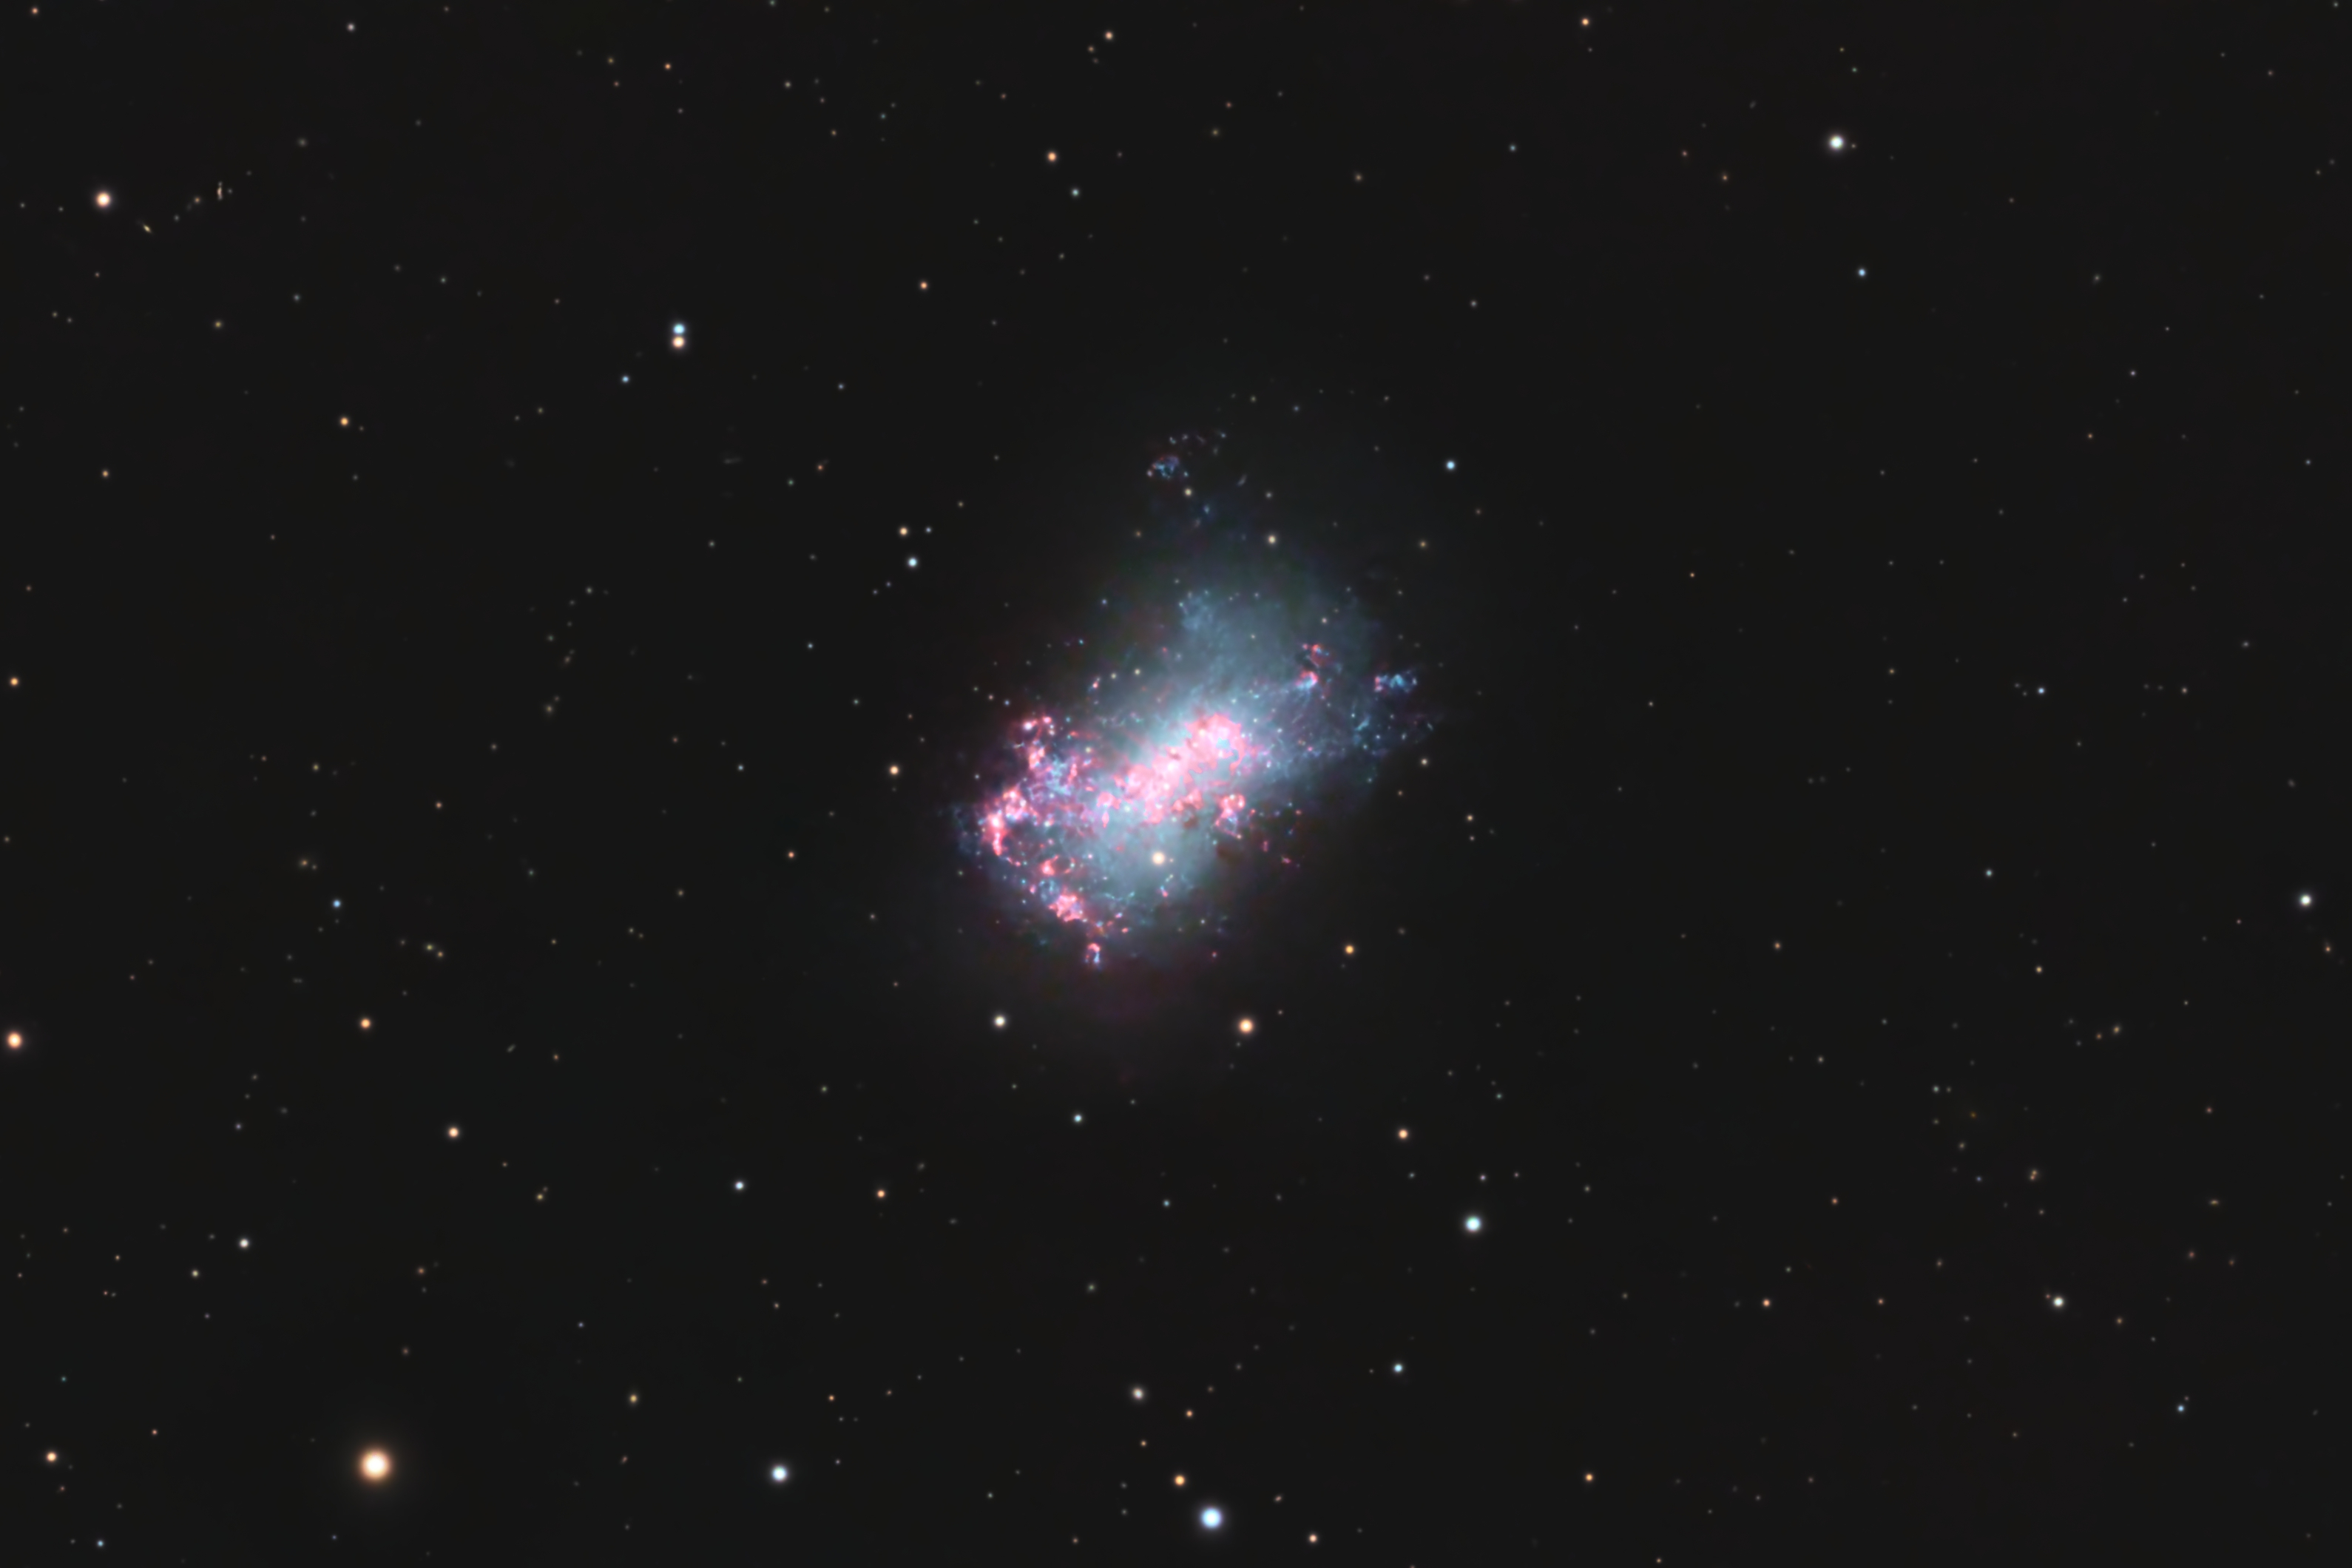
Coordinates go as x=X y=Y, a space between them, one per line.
x=1183 y=776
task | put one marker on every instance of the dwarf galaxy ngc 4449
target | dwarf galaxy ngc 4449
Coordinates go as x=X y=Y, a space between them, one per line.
x=1141 y=808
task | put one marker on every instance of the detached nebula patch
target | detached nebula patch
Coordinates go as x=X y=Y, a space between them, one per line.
x=1194 y=757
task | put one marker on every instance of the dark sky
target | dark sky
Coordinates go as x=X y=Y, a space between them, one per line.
x=493 y=978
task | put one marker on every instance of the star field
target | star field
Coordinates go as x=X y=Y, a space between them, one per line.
x=1399 y=784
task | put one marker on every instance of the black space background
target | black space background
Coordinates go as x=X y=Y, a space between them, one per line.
x=1769 y=605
